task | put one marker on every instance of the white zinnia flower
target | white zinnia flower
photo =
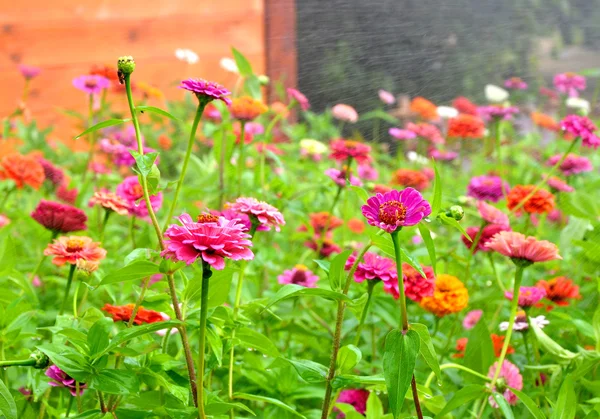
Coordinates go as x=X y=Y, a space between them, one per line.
x=228 y=64
x=447 y=112
x=495 y=94
x=521 y=323
x=310 y=146
x=578 y=103
x=417 y=158
x=186 y=55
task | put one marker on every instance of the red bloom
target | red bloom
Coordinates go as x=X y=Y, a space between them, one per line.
x=123 y=313
x=498 y=342
x=464 y=105
x=61 y=218
x=559 y=290
x=540 y=202
x=466 y=126
x=342 y=150
x=321 y=221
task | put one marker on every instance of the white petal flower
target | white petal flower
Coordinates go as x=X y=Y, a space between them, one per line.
x=186 y=55
x=447 y=112
x=416 y=158
x=495 y=94
x=228 y=64
x=578 y=103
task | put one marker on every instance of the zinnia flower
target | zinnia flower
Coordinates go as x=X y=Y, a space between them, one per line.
x=496 y=112
x=447 y=112
x=131 y=191
x=59 y=378
x=323 y=221
x=528 y=296
x=497 y=342
x=325 y=245
x=212 y=239
x=569 y=84
x=450 y=296
x=472 y=318
x=495 y=94
x=246 y=108
x=572 y=165
x=559 y=185
x=544 y=121
x=424 y=108
x=466 y=126
x=354 y=225
x=300 y=275
x=515 y=83
x=509 y=377
x=340 y=177
x=395 y=209
x=355 y=397
x=372 y=267
x=345 y=113
x=492 y=214
x=23 y=170
x=518 y=246
x=69 y=249
x=66 y=195
x=29 y=71
x=410 y=178
x=540 y=202
x=402 y=134
x=123 y=313
x=367 y=172
x=461 y=346
x=52 y=173
x=296 y=95
x=464 y=105
x=487 y=188
x=312 y=149
x=91 y=84
x=4 y=220
x=521 y=322
x=109 y=201
x=581 y=126
x=264 y=214
x=342 y=150
x=416 y=287
x=489 y=231
x=206 y=90
x=427 y=131
x=442 y=155
x=60 y=218
x=559 y=290
x=386 y=97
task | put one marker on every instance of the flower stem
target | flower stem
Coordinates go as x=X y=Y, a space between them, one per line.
x=323 y=235
x=472 y=251
x=201 y=105
x=497 y=140
x=498 y=280
x=267 y=138
x=138 y=302
x=206 y=274
x=370 y=286
x=458 y=367
x=30 y=362
x=222 y=168
x=241 y=157
x=67 y=289
x=103 y=225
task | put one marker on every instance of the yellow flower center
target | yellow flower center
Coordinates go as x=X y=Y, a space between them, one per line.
x=75 y=245
x=207 y=218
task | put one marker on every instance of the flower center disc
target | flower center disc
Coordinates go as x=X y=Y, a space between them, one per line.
x=74 y=245
x=207 y=218
x=137 y=191
x=391 y=212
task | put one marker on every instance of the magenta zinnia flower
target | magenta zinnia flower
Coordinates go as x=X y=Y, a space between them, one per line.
x=487 y=188
x=60 y=218
x=62 y=379
x=492 y=214
x=340 y=176
x=372 y=267
x=472 y=318
x=342 y=150
x=402 y=134
x=91 y=84
x=265 y=214
x=206 y=90
x=52 y=173
x=581 y=126
x=511 y=377
x=528 y=296
x=131 y=191
x=515 y=83
x=569 y=84
x=395 y=209
x=29 y=71
x=300 y=275
x=489 y=231
x=559 y=185
x=212 y=239
x=572 y=165
x=442 y=155
x=355 y=397
x=518 y=246
x=298 y=97
x=496 y=113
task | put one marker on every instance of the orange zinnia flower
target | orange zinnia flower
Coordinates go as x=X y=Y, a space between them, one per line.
x=424 y=108
x=450 y=296
x=461 y=346
x=280 y=109
x=356 y=226
x=559 y=290
x=246 y=108
x=410 y=178
x=540 y=202
x=69 y=249
x=498 y=342
x=466 y=126
x=165 y=142
x=123 y=313
x=23 y=170
x=544 y=121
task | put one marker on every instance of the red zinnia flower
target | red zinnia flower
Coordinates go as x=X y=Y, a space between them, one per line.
x=540 y=202
x=23 y=170
x=123 y=313
x=424 y=108
x=60 y=218
x=464 y=105
x=342 y=150
x=466 y=126
x=559 y=290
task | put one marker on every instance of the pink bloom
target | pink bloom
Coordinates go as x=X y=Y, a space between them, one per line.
x=528 y=296
x=489 y=231
x=518 y=246
x=472 y=318
x=59 y=378
x=492 y=214
x=131 y=191
x=29 y=71
x=266 y=215
x=243 y=219
x=496 y=112
x=91 y=84
x=402 y=134
x=36 y=281
x=328 y=245
x=487 y=188
x=254 y=128
x=345 y=113
x=581 y=126
x=555 y=216
x=70 y=249
x=355 y=397
x=212 y=239
x=300 y=275
x=99 y=168
x=386 y=97
x=367 y=172
x=569 y=84
x=372 y=267
x=109 y=201
x=415 y=286
x=339 y=177
x=559 y=185
x=515 y=83
x=342 y=150
x=61 y=218
x=511 y=376
x=67 y=195
x=53 y=174
x=296 y=95
x=572 y=165
x=4 y=220
x=206 y=90
x=441 y=155
x=428 y=131
x=396 y=209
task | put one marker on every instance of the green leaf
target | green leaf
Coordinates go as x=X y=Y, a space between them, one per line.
x=243 y=65
x=98 y=336
x=220 y=408
x=362 y=194
x=143 y=163
x=8 y=255
x=399 y=364
x=220 y=284
x=7 y=403
x=348 y=357
x=426 y=349
x=379 y=114
x=529 y=404
x=566 y=405
x=253 y=87
x=135 y=271
x=453 y=223
x=336 y=270
x=309 y=371
x=374 y=407
x=596 y=325
x=90 y=414
x=115 y=382
x=104 y=124
x=503 y=405
x=385 y=244
x=68 y=360
x=268 y=400
x=323 y=264
x=293 y=290
x=255 y=340
x=436 y=200
x=462 y=397
x=551 y=346
x=426 y=234
x=479 y=353
x=157 y=111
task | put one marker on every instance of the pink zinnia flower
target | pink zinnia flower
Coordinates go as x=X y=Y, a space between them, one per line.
x=339 y=177
x=206 y=90
x=372 y=267
x=53 y=174
x=67 y=195
x=70 y=249
x=367 y=172
x=131 y=191
x=396 y=209
x=4 y=220
x=402 y=134
x=240 y=218
x=344 y=113
x=495 y=112
x=515 y=83
x=428 y=131
x=212 y=239
x=296 y=95
x=569 y=84
x=59 y=378
x=492 y=214
x=442 y=155
x=415 y=286
x=511 y=377
x=355 y=397
x=581 y=126
x=254 y=128
x=300 y=275
x=329 y=246
x=519 y=247
x=487 y=188
x=572 y=165
x=472 y=318
x=60 y=218
x=342 y=150
x=559 y=185
x=36 y=281
x=29 y=71
x=386 y=97
x=109 y=201
x=528 y=296
x=91 y=84
x=265 y=215
x=489 y=231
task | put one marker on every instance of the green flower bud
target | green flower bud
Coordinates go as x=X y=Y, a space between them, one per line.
x=41 y=360
x=501 y=385
x=456 y=212
x=264 y=80
x=125 y=66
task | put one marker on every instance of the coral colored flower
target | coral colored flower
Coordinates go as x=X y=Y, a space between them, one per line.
x=461 y=346
x=466 y=126
x=91 y=84
x=581 y=126
x=367 y=172
x=559 y=290
x=23 y=170
x=465 y=106
x=206 y=90
x=280 y=108
x=540 y=202
x=492 y=214
x=4 y=220
x=29 y=71
x=450 y=296
x=472 y=318
x=372 y=267
x=341 y=176
x=312 y=148
x=123 y=313
x=165 y=142
x=300 y=275
x=498 y=342
x=487 y=188
x=356 y=226
x=386 y=97
x=52 y=173
x=410 y=178
x=515 y=83
x=59 y=378
x=572 y=165
x=518 y=246
x=264 y=214
x=402 y=134
x=326 y=246
x=212 y=239
x=342 y=150
x=442 y=155
x=105 y=71
x=345 y=113
x=489 y=231
x=544 y=121
x=559 y=185
x=323 y=221
x=109 y=201
x=86 y=266
x=69 y=249
x=428 y=131
x=212 y=113
x=246 y=108
x=395 y=209
x=296 y=95
x=66 y=195
x=528 y=296
x=509 y=377
x=496 y=112
x=569 y=84
x=131 y=191
x=379 y=188
x=355 y=397
x=416 y=287
x=424 y=108
x=60 y=218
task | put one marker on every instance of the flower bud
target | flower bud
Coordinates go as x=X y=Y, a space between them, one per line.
x=456 y=211
x=501 y=385
x=125 y=66
x=264 y=80
x=41 y=360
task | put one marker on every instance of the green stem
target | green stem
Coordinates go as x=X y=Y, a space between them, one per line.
x=222 y=168
x=323 y=236
x=497 y=141
x=498 y=280
x=67 y=289
x=138 y=302
x=75 y=299
x=458 y=367
x=201 y=105
x=132 y=231
x=241 y=157
x=30 y=362
x=370 y=286
x=206 y=274
x=5 y=198
x=103 y=225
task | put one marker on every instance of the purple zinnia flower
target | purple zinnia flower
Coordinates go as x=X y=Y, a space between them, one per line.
x=29 y=71
x=572 y=165
x=372 y=267
x=91 y=84
x=131 y=191
x=511 y=377
x=441 y=155
x=569 y=84
x=339 y=177
x=206 y=90
x=298 y=97
x=300 y=275
x=402 y=134
x=395 y=209
x=487 y=188
x=62 y=379
x=495 y=112
x=528 y=296
x=581 y=126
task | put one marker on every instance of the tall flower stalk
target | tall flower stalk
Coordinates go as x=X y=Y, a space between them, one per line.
x=206 y=274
